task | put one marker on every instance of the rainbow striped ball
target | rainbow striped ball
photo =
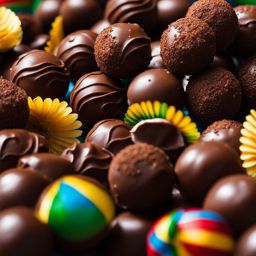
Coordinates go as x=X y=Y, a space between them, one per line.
x=190 y=233
x=76 y=208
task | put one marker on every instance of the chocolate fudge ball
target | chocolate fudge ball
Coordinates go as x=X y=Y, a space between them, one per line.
x=22 y=234
x=220 y=16
x=156 y=61
x=96 y=96
x=41 y=74
x=157 y=84
x=223 y=60
x=14 y=110
x=29 y=27
x=142 y=12
x=247 y=74
x=141 y=177
x=226 y=131
x=77 y=52
x=122 y=50
x=110 y=134
x=234 y=198
x=40 y=42
x=100 y=25
x=80 y=14
x=188 y=45
x=200 y=165
x=214 y=95
x=245 y=42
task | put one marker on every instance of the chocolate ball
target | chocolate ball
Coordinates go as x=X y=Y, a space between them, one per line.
x=214 y=95
x=247 y=73
x=245 y=42
x=234 y=198
x=188 y=45
x=50 y=165
x=226 y=131
x=141 y=177
x=96 y=96
x=14 y=110
x=100 y=25
x=220 y=16
x=15 y=143
x=246 y=244
x=110 y=134
x=22 y=234
x=20 y=187
x=77 y=52
x=223 y=60
x=127 y=229
x=41 y=74
x=200 y=165
x=29 y=27
x=156 y=61
x=122 y=50
x=80 y=14
x=40 y=42
x=142 y=12
x=90 y=160
x=156 y=84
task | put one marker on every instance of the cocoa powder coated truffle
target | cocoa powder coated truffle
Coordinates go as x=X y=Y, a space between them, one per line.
x=122 y=50
x=188 y=45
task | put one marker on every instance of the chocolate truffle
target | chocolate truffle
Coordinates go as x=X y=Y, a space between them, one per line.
x=247 y=75
x=142 y=12
x=90 y=160
x=223 y=60
x=15 y=143
x=40 y=42
x=188 y=45
x=246 y=245
x=226 y=131
x=100 y=25
x=50 y=165
x=156 y=61
x=220 y=16
x=77 y=52
x=122 y=50
x=110 y=134
x=200 y=165
x=22 y=234
x=80 y=14
x=14 y=110
x=96 y=97
x=234 y=198
x=29 y=27
x=245 y=42
x=214 y=95
x=156 y=84
x=41 y=74
x=21 y=187
x=141 y=177
x=127 y=235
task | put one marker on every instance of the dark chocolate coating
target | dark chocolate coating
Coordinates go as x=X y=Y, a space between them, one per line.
x=122 y=50
x=40 y=42
x=220 y=16
x=96 y=97
x=156 y=84
x=142 y=12
x=246 y=245
x=77 y=52
x=127 y=235
x=141 y=177
x=22 y=234
x=226 y=131
x=110 y=134
x=29 y=27
x=100 y=25
x=188 y=46
x=41 y=74
x=80 y=14
x=223 y=60
x=245 y=42
x=50 y=165
x=214 y=95
x=200 y=165
x=247 y=73
x=14 y=110
x=90 y=160
x=234 y=198
x=156 y=61
x=20 y=187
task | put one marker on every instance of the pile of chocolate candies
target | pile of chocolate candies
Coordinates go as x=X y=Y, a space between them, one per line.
x=164 y=91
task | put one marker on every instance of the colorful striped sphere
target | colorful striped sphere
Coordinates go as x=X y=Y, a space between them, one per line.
x=76 y=208
x=190 y=233
x=21 y=6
